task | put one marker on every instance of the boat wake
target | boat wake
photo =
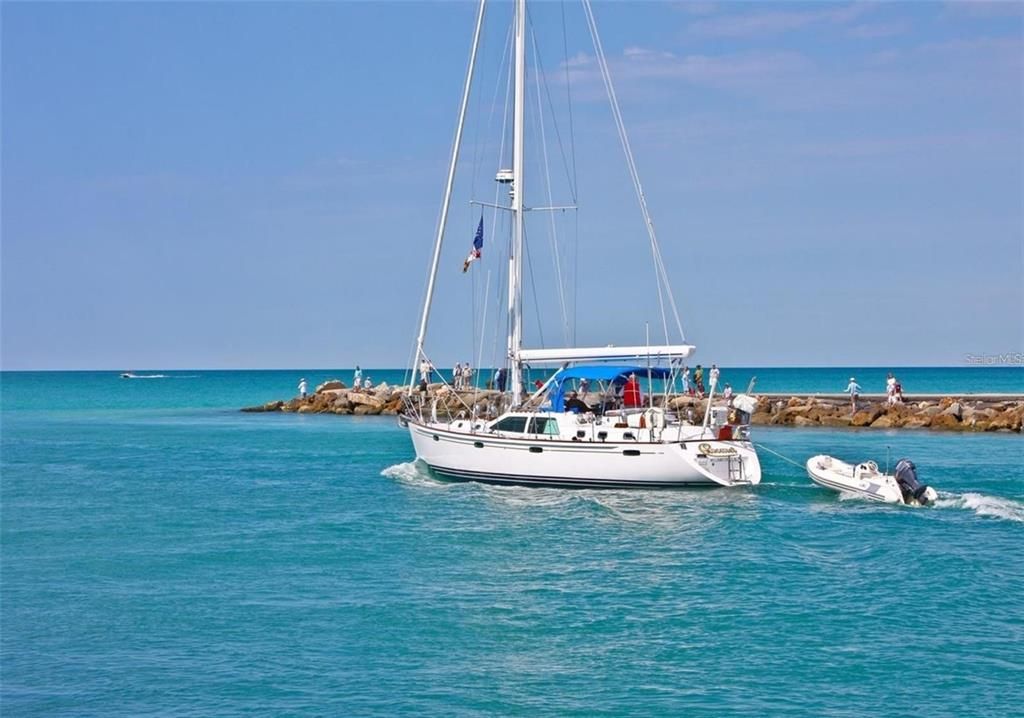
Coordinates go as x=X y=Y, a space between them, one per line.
x=411 y=472
x=983 y=505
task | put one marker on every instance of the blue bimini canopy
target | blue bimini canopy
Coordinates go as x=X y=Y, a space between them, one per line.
x=614 y=373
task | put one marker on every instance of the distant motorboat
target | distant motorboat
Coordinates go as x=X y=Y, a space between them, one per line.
x=866 y=481
x=130 y=375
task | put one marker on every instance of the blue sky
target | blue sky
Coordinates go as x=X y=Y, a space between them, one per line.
x=257 y=184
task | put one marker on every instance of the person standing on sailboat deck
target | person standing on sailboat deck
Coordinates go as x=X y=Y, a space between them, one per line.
x=631 y=398
x=853 y=389
x=303 y=387
x=698 y=379
x=357 y=378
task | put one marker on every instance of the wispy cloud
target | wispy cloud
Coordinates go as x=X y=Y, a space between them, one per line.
x=774 y=22
x=984 y=8
x=877 y=146
x=792 y=80
x=730 y=70
x=697 y=7
x=872 y=31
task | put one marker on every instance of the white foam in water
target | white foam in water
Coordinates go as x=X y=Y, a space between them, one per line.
x=983 y=505
x=411 y=472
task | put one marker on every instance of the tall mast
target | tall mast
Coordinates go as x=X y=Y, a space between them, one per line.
x=443 y=220
x=515 y=339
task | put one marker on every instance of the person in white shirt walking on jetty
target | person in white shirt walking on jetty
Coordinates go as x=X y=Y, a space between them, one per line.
x=303 y=387
x=357 y=378
x=426 y=369
x=853 y=389
x=890 y=389
x=457 y=377
x=687 y=389
x=713 y=377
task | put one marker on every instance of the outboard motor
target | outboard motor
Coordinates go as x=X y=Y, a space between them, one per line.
x=913 y=490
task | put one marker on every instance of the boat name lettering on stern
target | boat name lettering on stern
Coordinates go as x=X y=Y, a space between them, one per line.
x=709 y=450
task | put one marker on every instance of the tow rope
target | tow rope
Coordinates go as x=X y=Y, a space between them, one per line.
x=784 y=458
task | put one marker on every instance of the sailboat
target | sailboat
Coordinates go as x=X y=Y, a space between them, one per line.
x=540 y=438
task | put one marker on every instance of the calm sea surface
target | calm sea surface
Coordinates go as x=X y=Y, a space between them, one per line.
x=163 y=554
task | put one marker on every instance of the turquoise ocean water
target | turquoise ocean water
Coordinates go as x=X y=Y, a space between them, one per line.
x=163 y=554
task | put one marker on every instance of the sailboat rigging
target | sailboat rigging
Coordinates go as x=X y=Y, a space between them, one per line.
x=550 y=437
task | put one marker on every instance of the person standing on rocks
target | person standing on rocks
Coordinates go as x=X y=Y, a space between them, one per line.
x=713 y=376
x=687 y=389
x=357 y=378
x=457 y=377
x=426 y=369
x=499 y=379
x=890 y=389
x=853 y=389
x=467 y=377
x=698 y=379
x=303 y=387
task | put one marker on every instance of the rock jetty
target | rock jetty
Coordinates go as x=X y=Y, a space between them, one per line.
x=949 y=413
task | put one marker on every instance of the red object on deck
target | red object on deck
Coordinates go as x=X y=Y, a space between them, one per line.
x=725 y=433
x=631 y=394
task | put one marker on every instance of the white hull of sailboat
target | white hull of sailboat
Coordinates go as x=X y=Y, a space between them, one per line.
x=484 y=457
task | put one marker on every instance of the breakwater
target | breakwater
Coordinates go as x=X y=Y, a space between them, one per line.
x=976 y=413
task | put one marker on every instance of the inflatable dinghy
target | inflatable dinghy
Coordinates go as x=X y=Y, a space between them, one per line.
x=866 y=481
